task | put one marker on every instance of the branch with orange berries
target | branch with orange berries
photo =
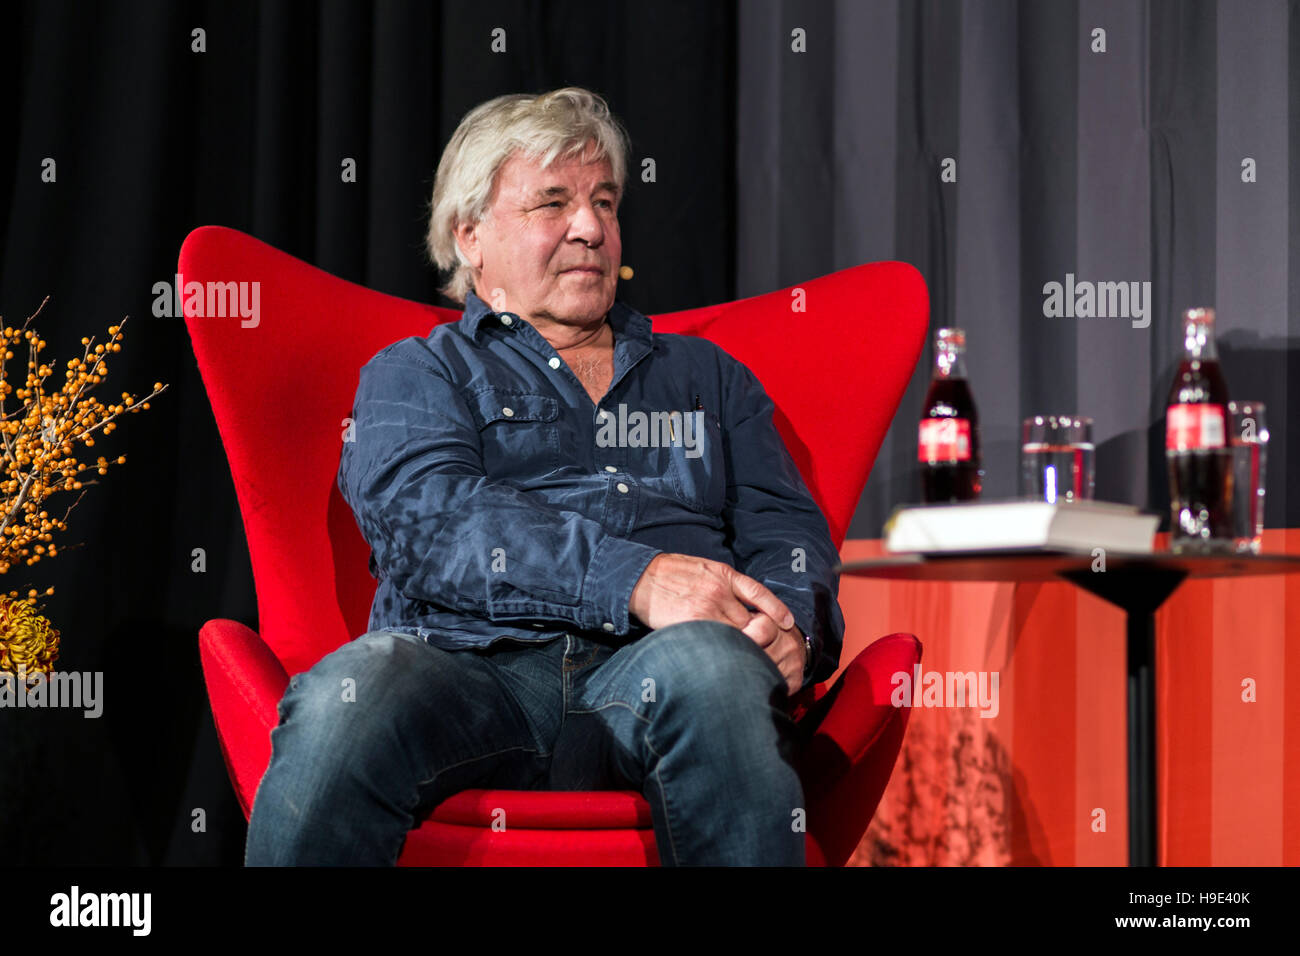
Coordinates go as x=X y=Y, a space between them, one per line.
x=40 y=440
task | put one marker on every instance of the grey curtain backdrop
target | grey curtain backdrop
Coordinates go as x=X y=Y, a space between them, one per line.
x=1123 y=165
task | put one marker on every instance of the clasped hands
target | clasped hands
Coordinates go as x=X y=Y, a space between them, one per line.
x=682 y=587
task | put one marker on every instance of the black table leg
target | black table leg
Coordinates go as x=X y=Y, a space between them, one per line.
x=1142 y=802
x=1139 y=593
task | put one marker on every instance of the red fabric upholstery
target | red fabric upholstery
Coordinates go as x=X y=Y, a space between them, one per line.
x=246 y=682
x=281 y=390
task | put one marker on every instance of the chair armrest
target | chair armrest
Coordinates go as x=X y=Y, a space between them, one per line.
x=851 y=738
x=245 y=682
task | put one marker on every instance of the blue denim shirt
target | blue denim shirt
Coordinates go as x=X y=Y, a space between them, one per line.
x=499 y=501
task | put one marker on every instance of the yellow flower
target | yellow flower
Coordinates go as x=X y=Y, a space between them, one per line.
x=27 y=641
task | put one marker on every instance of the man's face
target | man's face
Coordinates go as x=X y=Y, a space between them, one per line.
x=541 y=225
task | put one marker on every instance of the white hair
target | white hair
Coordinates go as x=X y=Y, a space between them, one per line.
x=560 y=124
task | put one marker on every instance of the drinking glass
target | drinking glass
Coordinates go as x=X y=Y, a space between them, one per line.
x=1248 y=439
x=1057 y=458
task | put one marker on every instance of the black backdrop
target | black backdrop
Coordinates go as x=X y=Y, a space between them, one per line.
x=772 y=165
x=152 y=140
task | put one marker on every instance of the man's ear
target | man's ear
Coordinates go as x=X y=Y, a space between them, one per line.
x=466 y=234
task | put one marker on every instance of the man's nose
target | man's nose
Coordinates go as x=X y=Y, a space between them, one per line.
x=587 y=225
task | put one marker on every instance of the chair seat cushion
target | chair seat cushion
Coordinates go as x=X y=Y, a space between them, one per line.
x=547 y=809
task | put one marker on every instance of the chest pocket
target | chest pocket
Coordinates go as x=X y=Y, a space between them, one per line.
x=519 y=432
x=697 y=474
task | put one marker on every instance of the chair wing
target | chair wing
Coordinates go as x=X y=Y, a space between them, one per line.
x=281 y=390
x=835 y=355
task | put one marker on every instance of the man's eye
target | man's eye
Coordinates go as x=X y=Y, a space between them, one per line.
x=605 y=201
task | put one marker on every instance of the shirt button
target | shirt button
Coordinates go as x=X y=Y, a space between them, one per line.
x=507 y=411
x=506 y=320
x=610 y=468
x=602 y=414
x=554 y=362
x=622 y=487
x=608 y=626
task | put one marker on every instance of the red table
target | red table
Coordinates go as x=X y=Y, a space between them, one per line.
x=1136 y=583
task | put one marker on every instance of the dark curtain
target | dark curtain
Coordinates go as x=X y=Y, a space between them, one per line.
x=151 y=140
x=772 y=166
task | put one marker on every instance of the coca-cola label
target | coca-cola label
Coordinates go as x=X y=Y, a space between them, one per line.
x=1190 y=427
x=944 y=439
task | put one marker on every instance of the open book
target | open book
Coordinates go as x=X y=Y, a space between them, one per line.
x=1007 y=525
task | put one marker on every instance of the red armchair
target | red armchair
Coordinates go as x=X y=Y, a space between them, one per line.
x=281 y=384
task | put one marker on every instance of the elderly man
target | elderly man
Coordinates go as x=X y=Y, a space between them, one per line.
x=568 y=599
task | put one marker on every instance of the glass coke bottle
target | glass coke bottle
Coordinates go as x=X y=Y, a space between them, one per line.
x=948 y=446
x=1197 y=452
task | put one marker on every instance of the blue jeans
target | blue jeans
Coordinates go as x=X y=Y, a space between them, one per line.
x=379 y=732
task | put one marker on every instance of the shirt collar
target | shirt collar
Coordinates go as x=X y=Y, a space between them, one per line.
x=627 y=322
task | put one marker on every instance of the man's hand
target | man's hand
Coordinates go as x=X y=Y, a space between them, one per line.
x=681 y=587
x=785 y=645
